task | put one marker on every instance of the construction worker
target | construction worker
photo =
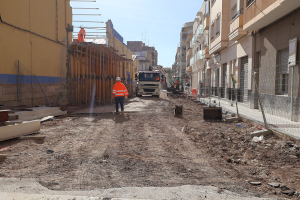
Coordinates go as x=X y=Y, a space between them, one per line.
x=177 y=83
x=201 y=88
x=81 y=35
x=120 y=92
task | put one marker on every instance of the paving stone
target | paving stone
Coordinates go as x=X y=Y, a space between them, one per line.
x=289 y=192
x=255 y=183
x=274 y=184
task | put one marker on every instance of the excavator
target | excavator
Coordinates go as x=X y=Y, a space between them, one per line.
x=176 y=85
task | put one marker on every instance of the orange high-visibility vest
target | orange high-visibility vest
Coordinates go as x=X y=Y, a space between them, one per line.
x=81 y=35
x=120 y=89
x=194 y=92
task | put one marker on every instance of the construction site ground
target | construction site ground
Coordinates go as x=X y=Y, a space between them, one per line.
x=147 y=153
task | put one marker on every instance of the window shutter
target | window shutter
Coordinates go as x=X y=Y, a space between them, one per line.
x=283 y=61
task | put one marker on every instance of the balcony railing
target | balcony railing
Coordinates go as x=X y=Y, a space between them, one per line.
x=207 y=14
x=199 y=31
x=196 y=57
x=249 y=2
x=240 y=12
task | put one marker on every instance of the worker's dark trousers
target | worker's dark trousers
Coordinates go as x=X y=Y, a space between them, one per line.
x=121 y=101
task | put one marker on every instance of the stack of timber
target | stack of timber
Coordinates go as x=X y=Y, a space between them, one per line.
x=19 y=121
x=19 y=129
x=39 y=113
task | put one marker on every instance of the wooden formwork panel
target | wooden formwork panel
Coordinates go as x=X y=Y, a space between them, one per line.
x=94 y=70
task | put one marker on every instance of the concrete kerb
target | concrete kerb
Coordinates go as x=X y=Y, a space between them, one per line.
x=12 y=187
x=22 y=196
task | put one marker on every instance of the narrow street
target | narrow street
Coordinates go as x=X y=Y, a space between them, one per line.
x=146 y=154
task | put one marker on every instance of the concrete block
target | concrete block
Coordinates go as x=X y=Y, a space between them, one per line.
x=263 y=132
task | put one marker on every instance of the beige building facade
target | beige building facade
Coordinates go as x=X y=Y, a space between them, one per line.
x=276 y=37
x=240 y=38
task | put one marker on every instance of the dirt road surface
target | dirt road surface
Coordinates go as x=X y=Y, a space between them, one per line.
x=146 y=154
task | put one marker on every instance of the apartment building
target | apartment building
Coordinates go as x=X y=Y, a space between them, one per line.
x=147 y=55
x=182 y=56
x=196 y=47
x=176 y=65
x=189 y=55
x=153 y=53
x=275 y=29
x=236 y=58
x=221 y=48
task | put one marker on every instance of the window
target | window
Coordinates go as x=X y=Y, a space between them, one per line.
x=149 y=77
x=212 y=33
x=234 y=11
x=218 y=26
x=206 y=8
x=283 y=71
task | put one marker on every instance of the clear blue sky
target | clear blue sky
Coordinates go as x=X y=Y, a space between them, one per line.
x=161 y=19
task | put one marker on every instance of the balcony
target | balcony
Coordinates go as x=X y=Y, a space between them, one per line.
x=189 y=53
x=205 y=52
x=217 y=44
x=236 y=26
x=198 y=34
x=189 y=69
x=196 y=58
x=260 y=13
x=206 y=22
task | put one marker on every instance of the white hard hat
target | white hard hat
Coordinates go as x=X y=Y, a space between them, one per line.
x=118 y=79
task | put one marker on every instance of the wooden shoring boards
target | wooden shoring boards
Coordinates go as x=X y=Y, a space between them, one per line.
x=39 y=112
x=74 y=78
x=81 y=76
x=85 y=74
x=95 y=68
x=111 y=75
